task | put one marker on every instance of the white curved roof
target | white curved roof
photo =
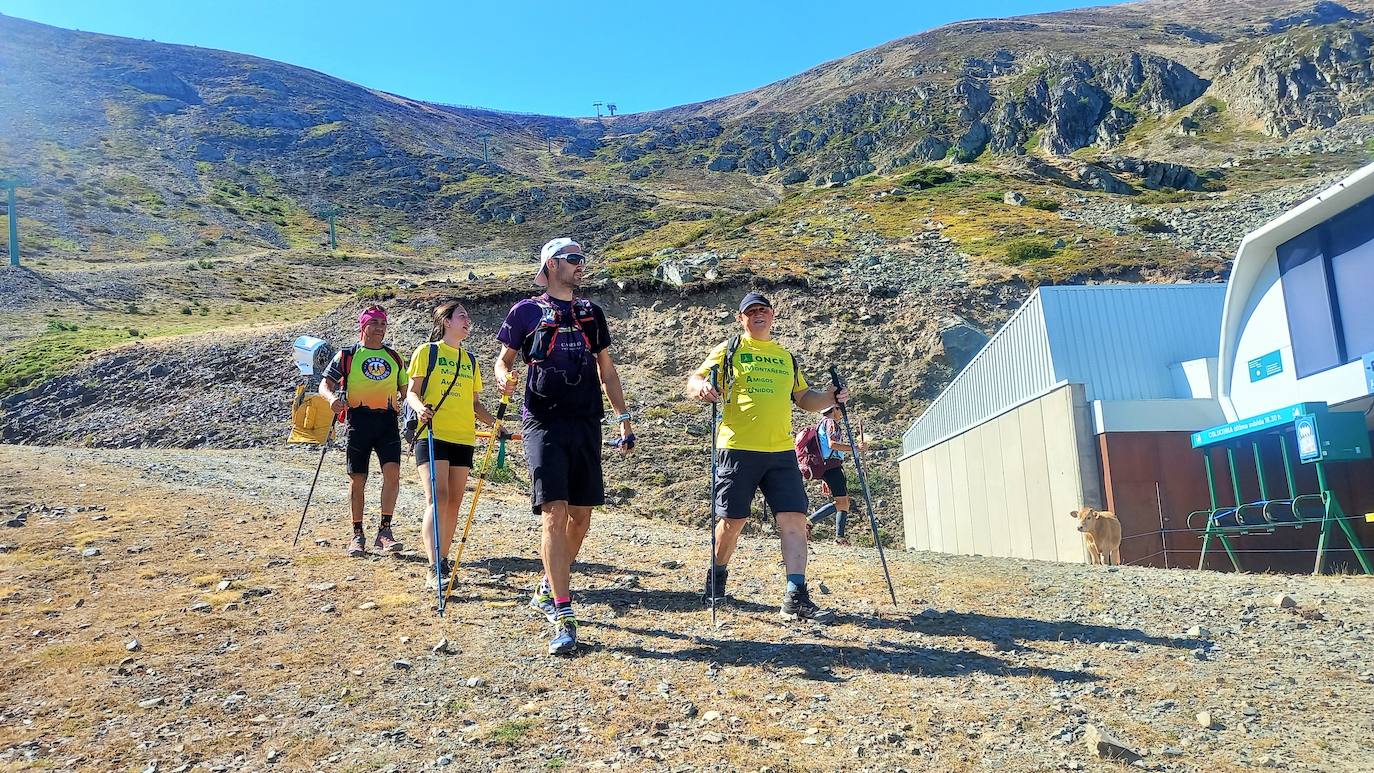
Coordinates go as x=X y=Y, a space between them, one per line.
x=1254 y=274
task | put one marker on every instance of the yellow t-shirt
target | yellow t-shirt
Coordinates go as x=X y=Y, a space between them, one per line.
x=456 y=422
x=758 y=410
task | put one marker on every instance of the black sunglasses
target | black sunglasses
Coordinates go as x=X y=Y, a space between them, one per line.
x=575 y=258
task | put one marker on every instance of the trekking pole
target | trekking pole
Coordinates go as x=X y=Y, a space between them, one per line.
x=711 y=500
x=324 y=449
x=434 y=512
x=863 y=481
x=477 y=490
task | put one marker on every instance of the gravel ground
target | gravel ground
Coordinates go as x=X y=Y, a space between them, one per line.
x=155 y=617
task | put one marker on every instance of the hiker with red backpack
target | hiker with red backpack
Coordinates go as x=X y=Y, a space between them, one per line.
x=821 y=453
x=365 y=383
x=760 y=383
x=565 y=342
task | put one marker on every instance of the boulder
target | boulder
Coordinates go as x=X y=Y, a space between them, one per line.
x=954 y=343
x=1014 y=198
x=678 y=271
x=1096 y=177
x=1102 y=744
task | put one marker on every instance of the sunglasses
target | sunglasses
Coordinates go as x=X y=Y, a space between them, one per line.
x=574 y=258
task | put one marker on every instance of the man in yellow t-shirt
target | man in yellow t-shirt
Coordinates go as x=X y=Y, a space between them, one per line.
x=760 y=381
x=367 y=381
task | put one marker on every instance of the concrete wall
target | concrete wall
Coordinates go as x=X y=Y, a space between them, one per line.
x=1006 y=486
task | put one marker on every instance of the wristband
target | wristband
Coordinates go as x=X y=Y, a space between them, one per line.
x=623 y=417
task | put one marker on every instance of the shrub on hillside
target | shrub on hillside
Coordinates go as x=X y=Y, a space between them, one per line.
x=1027 y=250
x=1150 y=225
x=927 y=177
x=1046 y=204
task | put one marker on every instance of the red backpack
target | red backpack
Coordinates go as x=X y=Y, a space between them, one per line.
x=809 y=459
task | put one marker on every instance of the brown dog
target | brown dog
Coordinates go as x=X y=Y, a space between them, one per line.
x=1102 y=531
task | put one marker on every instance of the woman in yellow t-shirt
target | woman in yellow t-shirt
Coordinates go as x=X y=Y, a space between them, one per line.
x=451 y=406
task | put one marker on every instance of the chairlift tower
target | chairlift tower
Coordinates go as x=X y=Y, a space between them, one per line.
x=329 y=213
x=10 y=184
x=611 y=107
x=597 y=105
x=484 y=136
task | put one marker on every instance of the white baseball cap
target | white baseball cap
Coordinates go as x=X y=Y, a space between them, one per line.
x=552 y=248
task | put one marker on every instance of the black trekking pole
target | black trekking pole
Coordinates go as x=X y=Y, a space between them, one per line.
x=324 y=449
x=863 y=482
x=711 y=500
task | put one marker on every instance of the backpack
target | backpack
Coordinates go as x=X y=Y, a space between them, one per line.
x=728 y=367
x=538 y=345
x=809 y=459
x=346 y=364
x=410 y=420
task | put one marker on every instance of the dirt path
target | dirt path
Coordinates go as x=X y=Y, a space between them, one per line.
x=309 y=660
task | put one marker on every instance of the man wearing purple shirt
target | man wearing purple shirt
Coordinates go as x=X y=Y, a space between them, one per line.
x=566 y=344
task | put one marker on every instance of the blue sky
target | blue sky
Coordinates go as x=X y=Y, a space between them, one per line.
x=541 y=57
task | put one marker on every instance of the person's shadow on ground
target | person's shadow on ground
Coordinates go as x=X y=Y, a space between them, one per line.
x=1009 y=633
x=816 y=661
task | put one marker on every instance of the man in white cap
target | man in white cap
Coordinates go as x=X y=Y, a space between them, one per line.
x=566 y=344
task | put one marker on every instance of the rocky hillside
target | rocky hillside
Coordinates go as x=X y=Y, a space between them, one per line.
x=232 y=389
x=136 y=147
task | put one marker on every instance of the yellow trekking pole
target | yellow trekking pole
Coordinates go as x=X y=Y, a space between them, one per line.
x=477 y=490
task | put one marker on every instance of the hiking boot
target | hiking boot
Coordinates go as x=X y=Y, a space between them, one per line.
x=564 y=640
x=542 y=600
x=357 y=547
x=385 y=542
x=722 y=573
x=797 y=605
x=433 y=579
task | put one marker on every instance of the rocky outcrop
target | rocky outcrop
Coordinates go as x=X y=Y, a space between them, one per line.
x=1156 y=174
x=1298 y=82
x=163 y=83
x=1322 y=12
x=1151 y=83
x=1077 y=107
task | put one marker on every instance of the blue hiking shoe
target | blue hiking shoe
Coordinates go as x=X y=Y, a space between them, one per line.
x=542 y=600
x=564 y=640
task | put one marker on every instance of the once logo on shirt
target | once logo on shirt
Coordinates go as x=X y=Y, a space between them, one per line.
x=446 y=365
x=747 y=357
x=377 y=368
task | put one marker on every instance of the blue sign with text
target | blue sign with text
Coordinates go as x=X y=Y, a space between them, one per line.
x=1260 y=423
x=1270 y=364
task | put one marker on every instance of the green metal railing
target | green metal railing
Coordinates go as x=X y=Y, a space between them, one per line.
x=1319 y=508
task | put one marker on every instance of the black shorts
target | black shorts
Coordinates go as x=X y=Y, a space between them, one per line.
x=372 y=431
x=564 y=459
x=456 y=454
x=739 y=474
x=836 y=480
